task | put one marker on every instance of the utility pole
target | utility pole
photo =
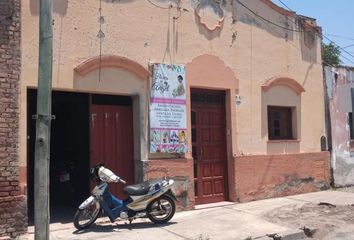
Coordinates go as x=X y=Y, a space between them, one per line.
x=43 y=122
x=352 y=98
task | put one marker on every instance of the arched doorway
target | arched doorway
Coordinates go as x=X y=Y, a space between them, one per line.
x=116 y=103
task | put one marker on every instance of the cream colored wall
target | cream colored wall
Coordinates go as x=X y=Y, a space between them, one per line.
x=144 y=33
x=261 y=56
x=283 y=97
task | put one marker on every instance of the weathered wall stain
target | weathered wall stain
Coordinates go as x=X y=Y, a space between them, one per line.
x=182 y=174
x=281 y=175
x=241 y=12
x=339 y=81
x=59 y=6
x=293 y=181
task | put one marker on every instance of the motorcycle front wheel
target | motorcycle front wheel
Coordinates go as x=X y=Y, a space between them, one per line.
x=161 y=210
x=86 y=217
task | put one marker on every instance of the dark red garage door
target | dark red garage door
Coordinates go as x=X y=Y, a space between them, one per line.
x=112 y=141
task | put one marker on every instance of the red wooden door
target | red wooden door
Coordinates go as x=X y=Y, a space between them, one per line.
x=112 y=141
x=209 y=147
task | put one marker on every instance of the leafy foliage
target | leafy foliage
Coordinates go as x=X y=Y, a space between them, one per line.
x=330 y=54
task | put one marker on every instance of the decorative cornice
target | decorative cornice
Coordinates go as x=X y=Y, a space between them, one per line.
x=112 y=61
x=283 y=81
x=218 y=23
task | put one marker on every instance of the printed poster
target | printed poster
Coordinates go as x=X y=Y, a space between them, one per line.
x=168 y=123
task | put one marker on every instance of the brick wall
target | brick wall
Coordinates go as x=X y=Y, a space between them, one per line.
x=181 y=170
x=13 y=212
x=256 y=177
x=268 y=176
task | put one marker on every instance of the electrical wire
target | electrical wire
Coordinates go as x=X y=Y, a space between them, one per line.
x=338 y=46
x=309 y=55
x=285 y=6
x=339 y=36
x=282 y=26
x=330 y=40
x=351 y=45
x=277 y=24
x=170 y=6
x=266 y=20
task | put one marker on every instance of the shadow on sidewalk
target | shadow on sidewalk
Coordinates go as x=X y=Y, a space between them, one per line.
x=115 y=226
x=61 y=215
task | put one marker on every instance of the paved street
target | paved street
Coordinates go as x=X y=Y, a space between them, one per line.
x=333 y=219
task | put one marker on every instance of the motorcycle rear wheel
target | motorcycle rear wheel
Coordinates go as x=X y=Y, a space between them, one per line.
x=86 y=217
x=161 y=210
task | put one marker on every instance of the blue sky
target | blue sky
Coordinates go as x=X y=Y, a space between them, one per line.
x=336 y=17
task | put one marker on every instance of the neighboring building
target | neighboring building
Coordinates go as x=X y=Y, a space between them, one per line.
x=13 y=211
x=339 y=84
x=254 y=97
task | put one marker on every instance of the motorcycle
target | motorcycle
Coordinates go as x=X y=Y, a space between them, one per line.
x=152 y=199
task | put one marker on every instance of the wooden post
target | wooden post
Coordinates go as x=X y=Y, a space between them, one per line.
x=43 y=123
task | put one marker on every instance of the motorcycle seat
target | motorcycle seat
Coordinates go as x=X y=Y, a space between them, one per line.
x=137 y=189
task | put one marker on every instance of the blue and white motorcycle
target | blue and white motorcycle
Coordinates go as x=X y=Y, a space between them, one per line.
x=153 y=199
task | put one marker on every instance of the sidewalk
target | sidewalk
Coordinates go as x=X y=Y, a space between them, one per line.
x=239 y=221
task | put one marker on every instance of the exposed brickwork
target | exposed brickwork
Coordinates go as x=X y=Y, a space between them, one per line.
x=13 y=214
x=181 y=170
x=267 y=176
x=256 y=177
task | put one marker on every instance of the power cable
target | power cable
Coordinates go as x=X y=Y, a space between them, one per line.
x=351 y=45
x=285 y=5
x=339 y=46
x=286 y=28
x=309 y=55
x=339 y=36
x=158 y=6
x=331 y=41
x=266 y=20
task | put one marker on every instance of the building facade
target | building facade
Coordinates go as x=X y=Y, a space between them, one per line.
x=339 y=83
x=254 y=97
x=13 y=211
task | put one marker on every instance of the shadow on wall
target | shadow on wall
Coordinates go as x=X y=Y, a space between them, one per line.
x=307 y=73
x=59 y=6
x=163 y=3
x=242 y=13
x=119 y=1
x=309 y=46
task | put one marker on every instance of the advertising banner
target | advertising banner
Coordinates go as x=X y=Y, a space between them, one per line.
x=168 y=123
